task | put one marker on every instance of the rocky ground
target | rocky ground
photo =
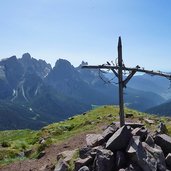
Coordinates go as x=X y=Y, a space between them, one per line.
x=129 y=148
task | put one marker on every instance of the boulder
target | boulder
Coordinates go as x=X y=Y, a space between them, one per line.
x=120 y=139
x=138 y=155
x=155 y=154
x=66 y=155
x=84 y=168
x=85 y=152
x=83 y=162
x=142 y=132
x=107 y=133
x=164 y=141
x=61 y=166
x=93 y=140
x=150 y=141
x=168 y=161
x=149 y=121
x=162 y=128
x=104 y=160
x=120 y=160
x=133 y=167
x=134 y=125
x=28 y=152
x=129 y=115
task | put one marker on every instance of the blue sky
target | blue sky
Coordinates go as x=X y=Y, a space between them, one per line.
x=88 y=30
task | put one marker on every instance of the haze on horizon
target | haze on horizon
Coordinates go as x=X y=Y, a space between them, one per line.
x=88 y=30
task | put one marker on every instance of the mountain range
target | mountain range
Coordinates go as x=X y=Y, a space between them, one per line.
x=33 y=94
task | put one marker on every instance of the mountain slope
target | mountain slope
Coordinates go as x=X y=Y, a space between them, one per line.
x=57 y=93
x=14 y=116
x=162 y=109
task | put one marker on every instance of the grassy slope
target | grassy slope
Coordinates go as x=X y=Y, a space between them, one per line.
x=21 y=140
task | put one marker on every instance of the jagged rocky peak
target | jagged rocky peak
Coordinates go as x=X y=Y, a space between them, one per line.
x=26 y=56
x=63 y=69
x=84 y=63
x=30 y=64
x=63 y=66
x=9 y=60
x=26 y=60
x=63 y=63
x=12 y=58
x=9 y=63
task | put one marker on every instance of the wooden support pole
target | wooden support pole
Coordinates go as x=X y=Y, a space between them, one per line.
x=121 y=85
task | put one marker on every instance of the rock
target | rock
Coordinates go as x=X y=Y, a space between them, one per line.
x=27 y=152
x=109 y=115
x=134 y=125
x=41 y=154
x=133 y=167
x=122 y=170
x=120 y=160
x=21 y=154
x=137 y=154
x=107 y=133
x=84 y=168
x=149 y=121
x=157 y=154
x=168 y=161
x=95 y=150
x=85 y=152
x=104 y=160
x=162 y=128
x=142 y=132
x=66 y=155
x=164 y=141
x=129 y=115
x=119 y=139
x=150 y=141
x=61 y=166
x=41 y=140
x=83 y=162
x=93 y=140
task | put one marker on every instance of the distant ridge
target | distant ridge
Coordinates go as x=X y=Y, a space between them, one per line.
x=33 y=87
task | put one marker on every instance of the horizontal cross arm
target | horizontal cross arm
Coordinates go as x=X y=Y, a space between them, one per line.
x=168 y=76
x=151 y=72
x=100 y=67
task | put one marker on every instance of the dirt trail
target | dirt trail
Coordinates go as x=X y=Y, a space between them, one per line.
x=46 y=162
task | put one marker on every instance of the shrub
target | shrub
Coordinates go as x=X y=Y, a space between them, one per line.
x=5 y=144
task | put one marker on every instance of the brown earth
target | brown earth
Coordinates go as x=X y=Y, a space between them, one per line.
x=48 y=160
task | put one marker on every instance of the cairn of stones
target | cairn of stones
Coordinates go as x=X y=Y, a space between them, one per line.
x=129 y=148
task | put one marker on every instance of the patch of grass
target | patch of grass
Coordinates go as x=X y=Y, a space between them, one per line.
x=72 y=161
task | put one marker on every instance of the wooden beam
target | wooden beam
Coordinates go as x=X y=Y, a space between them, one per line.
x=129 y=77
x=151 y=72
x=116 y=74
x=121 y=85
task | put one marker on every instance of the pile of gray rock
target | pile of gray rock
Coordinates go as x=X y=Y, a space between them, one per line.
x=129 y=148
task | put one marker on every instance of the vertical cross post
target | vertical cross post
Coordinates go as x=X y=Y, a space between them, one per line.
x=120 y=77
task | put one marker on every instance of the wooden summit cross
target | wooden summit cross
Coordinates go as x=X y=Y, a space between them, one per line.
x=117 y=69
